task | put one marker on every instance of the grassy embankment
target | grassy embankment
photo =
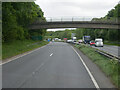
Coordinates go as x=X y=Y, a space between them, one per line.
x=108 y=66
x=19 y=47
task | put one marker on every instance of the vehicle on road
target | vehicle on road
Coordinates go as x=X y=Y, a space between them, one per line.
x=65 y=39
x=80 y=41
x=56 y=39
x=59 y=40
x=92 y=43
x=74 y=38
x=86 y=39
x=53 y=40
x=99 y=42
x=74 y=41
x=69 y=41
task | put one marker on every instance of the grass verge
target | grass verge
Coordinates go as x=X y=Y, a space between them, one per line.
x=19 y=47
x=108 y=66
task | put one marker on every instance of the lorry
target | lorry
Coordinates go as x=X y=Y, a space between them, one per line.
x=74 y=39
x=86 y=39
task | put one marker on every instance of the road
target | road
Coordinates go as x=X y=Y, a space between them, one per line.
x=55 y=66
x=110 y=49
x=113 y=50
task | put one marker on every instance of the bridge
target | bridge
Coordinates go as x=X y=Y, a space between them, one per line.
x=75 y=23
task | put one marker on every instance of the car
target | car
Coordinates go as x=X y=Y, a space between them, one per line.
x=80 y=41
x=92 y=43
x=59 y=39
x=98 y=42
x=69 y=41
x=53 y=40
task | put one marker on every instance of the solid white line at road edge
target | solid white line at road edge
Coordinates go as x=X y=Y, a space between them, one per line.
x=29 y=52
x=90 y=74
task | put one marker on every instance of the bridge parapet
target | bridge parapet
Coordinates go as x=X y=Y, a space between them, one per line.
x=94 y=23
x=77 y=19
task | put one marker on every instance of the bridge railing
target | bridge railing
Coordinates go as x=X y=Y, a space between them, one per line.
x=77 y=19
x=69 y=19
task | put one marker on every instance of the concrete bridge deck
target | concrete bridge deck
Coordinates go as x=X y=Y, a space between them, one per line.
x=76 y=24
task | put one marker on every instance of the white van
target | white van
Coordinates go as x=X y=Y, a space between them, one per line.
x=99 y=42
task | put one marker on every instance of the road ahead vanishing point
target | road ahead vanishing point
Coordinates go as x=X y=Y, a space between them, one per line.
x=56 y=65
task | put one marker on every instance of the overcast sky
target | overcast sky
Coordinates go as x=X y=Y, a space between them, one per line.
x=78 y=8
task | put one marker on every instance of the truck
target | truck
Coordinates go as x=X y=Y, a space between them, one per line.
x=74 y=38
x=86 y=39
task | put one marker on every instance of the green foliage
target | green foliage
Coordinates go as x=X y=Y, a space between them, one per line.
x=17 y=16
x=111 y=13
x=114 y=13
x=117 y=11
x=107 y=35
x=79 y=33
x=60 y=34
x=20 y=33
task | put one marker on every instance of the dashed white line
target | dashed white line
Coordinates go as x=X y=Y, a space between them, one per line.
x=38 y=68
x=51 y=54
x=90 y=74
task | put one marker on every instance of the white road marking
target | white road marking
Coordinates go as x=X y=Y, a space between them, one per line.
x=33 y=73
x=90 y=74
x=51 y=54
x=21 y=55
x=38 y=68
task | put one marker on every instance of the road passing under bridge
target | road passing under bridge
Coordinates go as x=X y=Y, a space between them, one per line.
x=56 y=65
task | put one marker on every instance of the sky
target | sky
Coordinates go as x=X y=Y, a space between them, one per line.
x=75 y=8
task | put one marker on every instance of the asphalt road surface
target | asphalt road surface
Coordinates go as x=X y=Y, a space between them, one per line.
x=114 y=50
x=54 y=66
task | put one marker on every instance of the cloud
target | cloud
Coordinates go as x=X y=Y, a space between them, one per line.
x=119 y=2
x=76 y=7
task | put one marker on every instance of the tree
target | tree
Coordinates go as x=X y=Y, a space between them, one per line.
x=17 y=16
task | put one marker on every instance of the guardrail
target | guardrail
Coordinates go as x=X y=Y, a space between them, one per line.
x=104 y=53
x=108 y=55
